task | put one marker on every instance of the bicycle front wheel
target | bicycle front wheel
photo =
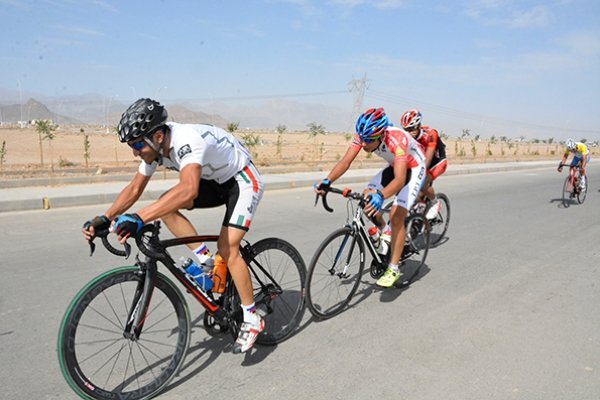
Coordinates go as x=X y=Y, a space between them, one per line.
x=439 y=223
x=96 y=358
x=334 y=273
x=567 y=194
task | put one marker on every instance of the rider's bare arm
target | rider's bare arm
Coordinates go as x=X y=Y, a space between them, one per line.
x=128 y=196
x=179 y=196
x=342 y=166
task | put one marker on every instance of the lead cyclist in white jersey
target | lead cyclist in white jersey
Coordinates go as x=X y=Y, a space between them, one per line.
x=402 y=178
x=214 y=169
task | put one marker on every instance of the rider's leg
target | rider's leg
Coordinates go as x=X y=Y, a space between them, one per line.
x=180 y=226
x=392 y=272
x=397 y=218
x=229 y=248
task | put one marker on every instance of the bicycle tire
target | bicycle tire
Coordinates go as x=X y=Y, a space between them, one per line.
x=327 y=292
x=418 y=241
x=581 y=193
x=439 y=224
x=278 y=277
x=95 y=357
x=567 y=192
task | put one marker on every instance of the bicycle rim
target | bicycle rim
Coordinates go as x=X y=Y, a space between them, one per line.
x=439 y=224
x=278 y=281
x=567 y=192
x=416 y=247
x=331 y=283
x=98 y=362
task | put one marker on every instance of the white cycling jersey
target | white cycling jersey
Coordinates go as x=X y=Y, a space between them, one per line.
x=219 y=153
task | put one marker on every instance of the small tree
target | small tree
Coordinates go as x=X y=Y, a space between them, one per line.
x=251 y=141
x=2 y=155
x=45 y=129
x=314 y=130
x=86 y=147
x=280 y=128
x=232 y=127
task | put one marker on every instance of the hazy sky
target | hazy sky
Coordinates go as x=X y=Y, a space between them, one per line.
x=529 y=66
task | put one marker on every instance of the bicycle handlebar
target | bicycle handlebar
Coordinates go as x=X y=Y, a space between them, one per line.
x=362 y=199
x=139 y=241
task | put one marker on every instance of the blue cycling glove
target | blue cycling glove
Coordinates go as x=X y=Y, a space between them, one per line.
x=376 y=200
x=325 y=184
x=128 y=225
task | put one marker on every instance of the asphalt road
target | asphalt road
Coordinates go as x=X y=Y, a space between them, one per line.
x=507 y=307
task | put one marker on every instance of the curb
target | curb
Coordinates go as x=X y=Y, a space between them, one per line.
x=277 y=181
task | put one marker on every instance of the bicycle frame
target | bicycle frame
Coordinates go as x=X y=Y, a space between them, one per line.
x=156 y=250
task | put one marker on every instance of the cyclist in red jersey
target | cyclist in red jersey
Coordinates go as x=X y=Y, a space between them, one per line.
x=435 y=154
x=402 y=178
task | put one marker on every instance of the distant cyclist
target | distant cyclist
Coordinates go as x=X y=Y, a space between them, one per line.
x=402 y=178
x=581 y=156
x=214 y=169
x=435 y=154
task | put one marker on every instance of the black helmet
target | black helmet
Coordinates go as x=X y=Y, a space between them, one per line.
x=141 y=119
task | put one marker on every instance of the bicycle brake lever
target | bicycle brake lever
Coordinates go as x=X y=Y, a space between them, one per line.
x=92 y=246
x=127 y=250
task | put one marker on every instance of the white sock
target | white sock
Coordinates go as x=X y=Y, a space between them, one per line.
x=202 y=253
x=250 y=315
x=394 y=267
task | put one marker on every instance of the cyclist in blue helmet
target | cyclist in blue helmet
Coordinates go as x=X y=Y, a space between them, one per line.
x=402 y=179
x=371 y=124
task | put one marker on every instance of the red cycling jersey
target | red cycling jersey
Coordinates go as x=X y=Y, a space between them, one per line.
x=396 y=145
x=430 y=139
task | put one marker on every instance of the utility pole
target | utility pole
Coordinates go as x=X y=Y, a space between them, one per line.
x=358 y=87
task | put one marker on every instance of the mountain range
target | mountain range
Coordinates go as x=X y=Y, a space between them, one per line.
x=100 y=110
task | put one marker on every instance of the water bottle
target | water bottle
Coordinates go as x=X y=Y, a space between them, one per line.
x=374 y=235
x=385 y=239
x=200 y=276
x=219 y=274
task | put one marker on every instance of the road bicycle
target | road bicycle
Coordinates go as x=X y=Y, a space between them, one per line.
x=571 y=189
x=126 y=333
x=337 y=266
x=438 y=224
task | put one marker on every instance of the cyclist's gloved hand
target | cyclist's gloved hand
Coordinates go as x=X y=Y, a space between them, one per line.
x=559 y=167
x=376 y=200
x=99 y=223
x=324 y=185
x=127 y=225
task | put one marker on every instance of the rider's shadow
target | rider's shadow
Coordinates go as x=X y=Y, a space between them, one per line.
x=562 y=203
x=368 y=286
x=208 y=349
x=409 y=277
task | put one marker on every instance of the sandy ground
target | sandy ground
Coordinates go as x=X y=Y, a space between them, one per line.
x=20 y=154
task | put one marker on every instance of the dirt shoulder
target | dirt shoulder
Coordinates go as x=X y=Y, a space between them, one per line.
x=25 y=157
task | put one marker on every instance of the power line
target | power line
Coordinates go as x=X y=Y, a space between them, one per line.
x=471 y=116
x=266 y=96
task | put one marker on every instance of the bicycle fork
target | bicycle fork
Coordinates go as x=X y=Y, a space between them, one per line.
x=141 y=300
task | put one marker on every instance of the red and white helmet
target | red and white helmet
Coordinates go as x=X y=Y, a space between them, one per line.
x=411 y=119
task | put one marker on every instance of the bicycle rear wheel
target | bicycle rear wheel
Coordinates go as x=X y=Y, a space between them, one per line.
x=568 y=192
x=581 y=193
x=278 y=280
x=439 y=224
x=334 y=273
x=99 y=362
x=416 y=247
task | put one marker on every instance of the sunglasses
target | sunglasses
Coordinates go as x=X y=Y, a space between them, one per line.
x=137 y=146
